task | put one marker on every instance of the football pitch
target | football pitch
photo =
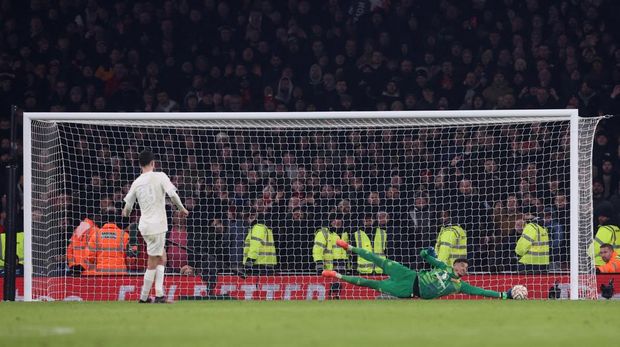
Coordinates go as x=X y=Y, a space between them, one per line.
x=304 y=323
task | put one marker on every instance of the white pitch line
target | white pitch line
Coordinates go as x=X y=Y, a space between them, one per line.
x=39 y=331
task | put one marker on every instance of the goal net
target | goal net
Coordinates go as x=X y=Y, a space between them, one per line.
x=395 y=183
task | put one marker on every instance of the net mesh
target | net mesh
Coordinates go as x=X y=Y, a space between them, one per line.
x=399 y=180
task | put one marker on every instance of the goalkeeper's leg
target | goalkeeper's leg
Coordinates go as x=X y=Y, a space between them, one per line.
x=358 y=281
x=363 y=282
x=401 y=288
x=390 y=267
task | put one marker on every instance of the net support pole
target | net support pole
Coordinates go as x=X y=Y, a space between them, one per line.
x=574 y=206
x=27 y=208
x=13 y=132
x=10 y=248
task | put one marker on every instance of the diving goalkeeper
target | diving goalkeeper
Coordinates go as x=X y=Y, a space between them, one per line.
x=405 y=283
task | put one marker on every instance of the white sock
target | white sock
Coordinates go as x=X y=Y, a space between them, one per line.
x=159 y=280
x=149 y=277
x=338 y=275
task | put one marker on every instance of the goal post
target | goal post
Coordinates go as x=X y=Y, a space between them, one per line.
x=490 y=172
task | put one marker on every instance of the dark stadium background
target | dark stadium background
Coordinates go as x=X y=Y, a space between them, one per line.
x=219 y=56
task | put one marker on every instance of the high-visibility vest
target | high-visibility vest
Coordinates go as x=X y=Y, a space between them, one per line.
x=77 y=251
x=20 y=248
x=378 y=247
x=259 y=246
x=605 y=234
x=451 y=244
x=107 y=247
x=533 y=246
x=323 y=248
x=339 y=253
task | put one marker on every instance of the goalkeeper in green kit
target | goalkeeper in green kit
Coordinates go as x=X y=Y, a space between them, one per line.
x=406 y=283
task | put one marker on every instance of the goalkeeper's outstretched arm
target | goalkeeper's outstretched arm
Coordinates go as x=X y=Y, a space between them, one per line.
x=431 y=259
x=467 y=288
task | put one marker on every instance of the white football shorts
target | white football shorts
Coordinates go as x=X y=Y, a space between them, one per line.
x=155 y=244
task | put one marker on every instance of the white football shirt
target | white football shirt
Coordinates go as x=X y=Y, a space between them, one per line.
x=150 y=189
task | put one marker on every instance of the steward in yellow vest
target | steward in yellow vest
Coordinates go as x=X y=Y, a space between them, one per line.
x=533 y=246
x=451 y=241
x=20 y=250
x=259 y=248
x=325 y=254
x=451 y=244
x=361 y=238
x=607 y=232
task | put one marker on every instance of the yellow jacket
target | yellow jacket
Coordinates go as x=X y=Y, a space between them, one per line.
x=378 y=247
x=325 y=250
x=451 y=244
x=20 y=248
x=533 y=246
x=259 y=246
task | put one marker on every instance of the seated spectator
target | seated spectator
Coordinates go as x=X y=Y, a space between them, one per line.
x=165 y=104
x=609 y=177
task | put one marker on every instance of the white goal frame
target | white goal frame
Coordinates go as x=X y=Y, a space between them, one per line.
x=570 y=115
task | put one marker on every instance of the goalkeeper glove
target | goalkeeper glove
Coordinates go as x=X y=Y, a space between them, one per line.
x=431 y=252
x=507 y=294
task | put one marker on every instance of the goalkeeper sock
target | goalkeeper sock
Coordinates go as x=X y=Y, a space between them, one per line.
x=149 y=277
x=159 y=280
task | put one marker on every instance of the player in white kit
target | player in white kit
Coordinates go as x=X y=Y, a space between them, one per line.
x=150 y=189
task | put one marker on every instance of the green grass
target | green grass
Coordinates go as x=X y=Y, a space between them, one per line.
x=317 y=324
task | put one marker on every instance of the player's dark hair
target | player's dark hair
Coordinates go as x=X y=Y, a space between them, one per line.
x=607 y=245
x=461 y=260
x=146 y=157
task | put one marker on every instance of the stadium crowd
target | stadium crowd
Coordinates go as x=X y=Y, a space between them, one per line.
x=166 y=56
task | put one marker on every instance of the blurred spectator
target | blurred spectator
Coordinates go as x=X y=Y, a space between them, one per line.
x=609 y=177
x=165 y=104
x=237 y=230
x=176 y=243
x=557 y=236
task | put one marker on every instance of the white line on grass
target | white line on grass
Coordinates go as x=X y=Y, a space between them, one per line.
x=39 y=331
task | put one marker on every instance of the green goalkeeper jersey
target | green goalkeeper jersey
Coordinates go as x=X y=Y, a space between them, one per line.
x=442 y=280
